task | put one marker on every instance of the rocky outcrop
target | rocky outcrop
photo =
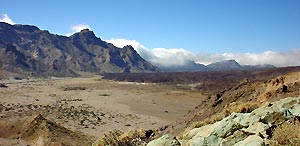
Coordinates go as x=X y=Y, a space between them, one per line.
x=166 y=140
x=38 y=131
x=27 y=49
x=239 y=129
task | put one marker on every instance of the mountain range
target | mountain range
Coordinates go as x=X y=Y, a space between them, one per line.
x=217 y=66
x=25 y=49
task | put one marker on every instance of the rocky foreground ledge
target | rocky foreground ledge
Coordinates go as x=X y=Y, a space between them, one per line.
x=240 y=129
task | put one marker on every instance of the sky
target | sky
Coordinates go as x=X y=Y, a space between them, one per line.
x=172 y=32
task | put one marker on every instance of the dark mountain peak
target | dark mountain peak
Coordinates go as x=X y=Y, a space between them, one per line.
x=130 y=48
x=26 y=28
x=88 y=37
x=19 y=27
x=86 y=30
x=85 y=33
x=230 y=61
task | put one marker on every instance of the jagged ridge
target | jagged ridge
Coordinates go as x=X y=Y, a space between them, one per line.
x=27 y=48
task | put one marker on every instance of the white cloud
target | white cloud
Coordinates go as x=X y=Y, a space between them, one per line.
x=157 y=56
x=78 y=28
x=178 y=57
x=288 y=58
x=280 y=59
x=171 y=57
x=6 y=19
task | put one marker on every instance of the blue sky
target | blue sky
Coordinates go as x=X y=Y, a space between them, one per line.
x=197 y=26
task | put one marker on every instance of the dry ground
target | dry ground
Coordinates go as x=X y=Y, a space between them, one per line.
x=93 y=105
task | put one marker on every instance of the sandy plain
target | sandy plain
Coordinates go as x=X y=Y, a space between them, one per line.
x=95 y=106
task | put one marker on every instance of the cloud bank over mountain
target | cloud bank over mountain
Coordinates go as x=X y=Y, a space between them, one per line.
x=157 y=56
x=180 y=56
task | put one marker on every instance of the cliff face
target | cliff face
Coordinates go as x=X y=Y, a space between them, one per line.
x=25 y=48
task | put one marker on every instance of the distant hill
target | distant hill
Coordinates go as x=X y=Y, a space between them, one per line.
x=27 y=49
x=233 y=65
x=225 y=65
x=217 y=66
x=189 y=67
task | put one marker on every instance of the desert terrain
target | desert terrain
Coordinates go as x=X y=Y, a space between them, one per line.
x=104 y=110
x=95 y=106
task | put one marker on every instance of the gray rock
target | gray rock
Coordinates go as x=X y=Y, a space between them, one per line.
x=226 y=127
x=295 y=110
x=197 y=141
x=203 y=131
x=252 y=140
x=257 y=128
x=235 y=138
x=165 y=140
x=236 y=128
x=211 y=140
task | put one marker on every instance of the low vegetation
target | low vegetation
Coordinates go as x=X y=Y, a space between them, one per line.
x=52 y=95
x=74 y=88
x=287 y=134
x=104 y=94
x=215 y=118
x=132 y=138
x=238 y=107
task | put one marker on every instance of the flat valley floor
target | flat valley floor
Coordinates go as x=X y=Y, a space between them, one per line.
x=95 y=106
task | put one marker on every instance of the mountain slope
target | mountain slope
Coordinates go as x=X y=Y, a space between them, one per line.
x=233 y=65
x=25 y=48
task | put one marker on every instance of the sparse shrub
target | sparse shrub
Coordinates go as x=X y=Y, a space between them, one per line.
x=241 y=107
x=74 y=88
x=110 y=139
x=52 y=95
x=132 y=138
x=104 y=94
x=286 y=134
x=210 y=120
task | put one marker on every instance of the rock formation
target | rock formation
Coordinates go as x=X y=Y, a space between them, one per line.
x=241 y=129
x=27 y=49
